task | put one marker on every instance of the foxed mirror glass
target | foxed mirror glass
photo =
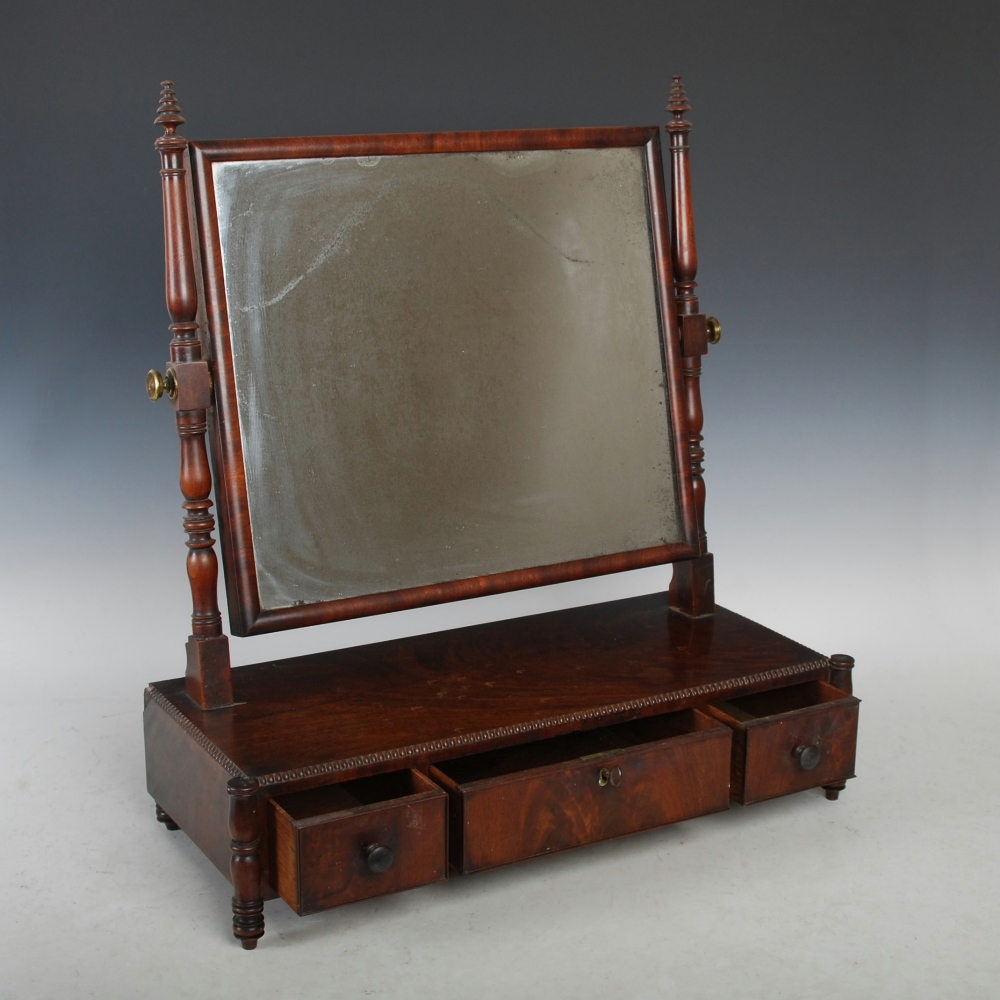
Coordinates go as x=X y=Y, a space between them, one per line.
x=441 y=367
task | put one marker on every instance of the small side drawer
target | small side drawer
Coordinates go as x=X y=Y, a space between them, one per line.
x=790 y=739
x=368 y=837
x=524 y=801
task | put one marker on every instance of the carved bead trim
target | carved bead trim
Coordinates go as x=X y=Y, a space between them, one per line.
x=483 y=736
x=159 y=699
x=486 y=735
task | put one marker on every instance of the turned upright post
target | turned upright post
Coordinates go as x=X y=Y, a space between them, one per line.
x=692 y=589
x=841 y=670
x=244 y=863
x=208 y=678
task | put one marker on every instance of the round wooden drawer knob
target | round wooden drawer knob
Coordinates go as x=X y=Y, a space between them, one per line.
x=807 y=756
x=379 y=857
x=610 y=776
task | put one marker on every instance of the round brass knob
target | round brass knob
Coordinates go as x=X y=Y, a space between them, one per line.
x=379 y=857
x=714 y=330
x=610 y=776
x=157 y=384
x=807 y=756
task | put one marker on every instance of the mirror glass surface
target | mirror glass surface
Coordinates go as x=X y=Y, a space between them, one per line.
x=446 y=365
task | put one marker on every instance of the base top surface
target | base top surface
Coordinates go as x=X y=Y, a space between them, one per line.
x=352 y=711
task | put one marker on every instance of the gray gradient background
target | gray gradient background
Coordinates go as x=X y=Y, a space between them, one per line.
x=845 y=177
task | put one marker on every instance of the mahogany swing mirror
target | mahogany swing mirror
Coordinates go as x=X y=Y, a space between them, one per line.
x=430 y=367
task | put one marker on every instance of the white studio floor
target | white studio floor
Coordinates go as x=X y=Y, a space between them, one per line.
x=890 y=892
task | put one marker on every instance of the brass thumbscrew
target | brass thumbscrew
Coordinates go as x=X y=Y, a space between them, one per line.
x=157 y=384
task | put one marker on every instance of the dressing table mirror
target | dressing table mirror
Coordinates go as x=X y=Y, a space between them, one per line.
x=413 y=369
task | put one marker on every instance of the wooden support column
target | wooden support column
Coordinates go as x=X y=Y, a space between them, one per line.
x=841 y=670
x=208 y=677
x=244 y=866
x=692 y=589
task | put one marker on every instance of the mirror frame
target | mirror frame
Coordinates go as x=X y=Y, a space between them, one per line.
x=247 y=617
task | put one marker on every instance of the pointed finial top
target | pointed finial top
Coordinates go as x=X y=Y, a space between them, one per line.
x=168 y=114
x=678 y=106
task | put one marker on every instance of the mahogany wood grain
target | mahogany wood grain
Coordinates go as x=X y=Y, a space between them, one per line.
x=772 y=728
x=841 y=676
x=187 y=779
x=208 y=680
x=355 y=711
x=244 y=864
x=841 y=671
x=285 y=772
x=319 y=839
x=247 y=617
x=693 y=588
x=526 y=801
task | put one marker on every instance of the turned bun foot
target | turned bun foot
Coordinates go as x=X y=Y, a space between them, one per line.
x=162 y=817
x=833 y=791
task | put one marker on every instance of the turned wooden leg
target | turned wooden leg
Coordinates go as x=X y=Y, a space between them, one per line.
x=162 y=817
x=244 y=865
x=841 y=668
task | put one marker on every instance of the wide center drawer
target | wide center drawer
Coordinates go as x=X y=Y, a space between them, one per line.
x=537 y=798
x=368 y=837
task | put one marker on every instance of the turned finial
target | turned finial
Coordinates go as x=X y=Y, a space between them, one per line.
x=168 y=114
x=678 y=106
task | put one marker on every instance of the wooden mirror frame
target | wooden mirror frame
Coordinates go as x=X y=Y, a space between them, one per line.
x=203 y=393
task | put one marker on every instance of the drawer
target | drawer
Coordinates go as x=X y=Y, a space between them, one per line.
x=368 y=837
x=529 y=800
x=790 y=739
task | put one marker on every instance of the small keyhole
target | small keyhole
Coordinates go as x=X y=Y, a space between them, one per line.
x=610 y=776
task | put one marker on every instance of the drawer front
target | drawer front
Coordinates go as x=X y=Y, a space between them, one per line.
x=790 y=751
x=535 y=812
x=355 y=851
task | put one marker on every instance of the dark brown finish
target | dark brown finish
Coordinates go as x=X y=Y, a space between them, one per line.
x=354 y=711
x=841 y=670
x=308 y=778
x=244 y=866
x=162 y=817
x=335 y=716
x=208 y=666
x=790 y=739
x=693 y=587
x=340 y=843
x=378 y=857
x=187 y=777
x=193 y=385
x=525 y=801
x=247 y=617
